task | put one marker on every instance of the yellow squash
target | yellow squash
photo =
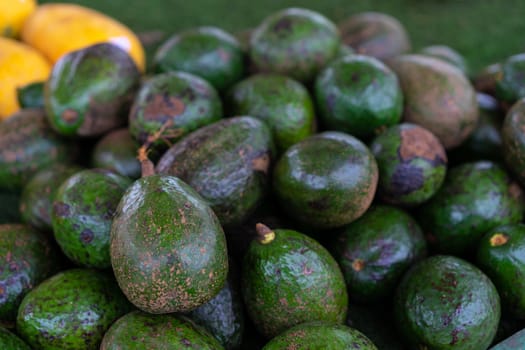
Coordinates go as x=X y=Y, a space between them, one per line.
x=56 y=29
x=13 y=13
x=20 y=65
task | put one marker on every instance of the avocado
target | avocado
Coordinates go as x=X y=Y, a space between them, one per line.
x=513 y=137
x=31 y=95
x=227 y=163
x=510 y=85
x=288 y=278
x=358 y=95
x=514 y=342
x=447 y=54
x=9 y=341
x=295 y=42
x=282 y=103
x=208 y=52
x=71 y=310
x=486 y=80
x=27 y=257
x=326 y=181
x=474 y=198
x=141 y=331
x=446 y=303
x=89 y=91
x=168 y=250
x=28 y=144
x=375 y=251
x=412 y=164
x=82 y=214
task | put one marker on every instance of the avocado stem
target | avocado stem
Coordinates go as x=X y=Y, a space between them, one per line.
x=264 y=234
x=498 y=239
x=146 y=165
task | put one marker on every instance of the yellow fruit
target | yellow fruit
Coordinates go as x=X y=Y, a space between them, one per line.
x=20 y=65
x=56 y=29
x=13 y=13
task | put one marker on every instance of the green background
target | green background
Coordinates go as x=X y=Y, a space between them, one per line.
x=483 y=31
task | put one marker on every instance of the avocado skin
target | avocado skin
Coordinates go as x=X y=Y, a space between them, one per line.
x=31 y=95
x=141 y=331
x=28 y=144
x=474 y=198
x=168 y=250
x=509 y=84
x=10 y=341
x=291 y=280
x=27 y=257
x=71 y=310
x=444 y=303
x=320 y=335
x=514 y=342
x=226 y=163
x=326 y=181
x=447 y=54
x=282 y=103
x=387 y=241
x=514 y=140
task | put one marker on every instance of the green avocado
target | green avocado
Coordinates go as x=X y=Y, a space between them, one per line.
x=27 y=257
x=90 y=90
x=141 y=331
x=359 y=95
x=513 y=137
x=446 y=303
x=288 y=278
x=320 y=335
x=510 y=85
x=71 y=310
x=514 y=342
x=226 y=163
x=9 y=341
x=447 y=54
x=82 y=214
x=375 y=251
x=168 y=250
x=208 y=52
x=31 y=95
x=326 y=181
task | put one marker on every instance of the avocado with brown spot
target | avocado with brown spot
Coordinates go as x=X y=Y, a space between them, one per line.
x=9 y=341
x=513 y=137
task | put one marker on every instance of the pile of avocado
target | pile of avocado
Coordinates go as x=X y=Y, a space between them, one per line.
x=300 y=185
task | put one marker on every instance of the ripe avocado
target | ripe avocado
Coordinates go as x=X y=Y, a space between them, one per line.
x=9 y=341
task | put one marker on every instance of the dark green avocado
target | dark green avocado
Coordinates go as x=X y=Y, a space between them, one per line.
x=31 y=95
x=320 y=335
x=288 y=278
x=9 y=341
x=27 y=257
x=510 y=84
x=226 y=163
x=513 y=137
x=446 y=303
x=90 y=90
x=71 y=310
x=168 y=250
x=141 y=331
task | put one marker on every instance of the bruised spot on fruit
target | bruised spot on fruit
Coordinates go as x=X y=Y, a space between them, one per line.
x=419 y=143
x=70 y=116
x=261 y=163
x=163 y=105
x=87 y=236
x=515 y=190
x=61 y=209
x=406 y=179
x=358 y=265
x=498 y=239
x=320 y=204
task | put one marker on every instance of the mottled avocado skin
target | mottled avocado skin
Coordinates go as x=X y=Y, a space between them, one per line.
x=447 y=54
x=27 y=257
x=83 y=211
x=168 y=250
x=90 y=90
x=320 y=335
x=327 y=180
x=141 y=331
x=291 y=280
x=71 y=310
x=31 y=95
x=281 y=102
x=510 y=85
x=9 y=341
x=513 y=135
x=28 y=144
x=226 y=163
x=446 y=303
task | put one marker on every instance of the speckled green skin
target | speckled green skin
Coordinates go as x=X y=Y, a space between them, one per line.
x=515 y=342
x=82 y=214
x=375 y=34
x=208 y=52
x=184 y=100
x=438 y=97
x=447 y=54
x=89 y=91
x=510 y=84
x=504 y=263
x=445 y=303
x=384 y=242
x=291 y=280
x=117 y=151
x=295 y=42
x=326 y=181
x=71 y=310
x=27 y=257
x=359 y=95
x=320 y=335
x=474 y=198
x=281 y=102
x=31 y=95
x=168 y=250
x=140 y=331
x=27 y=144
x=36 y=201
x=9 y=341
x=226 y=163
x=412 y=164
x=513 y=137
